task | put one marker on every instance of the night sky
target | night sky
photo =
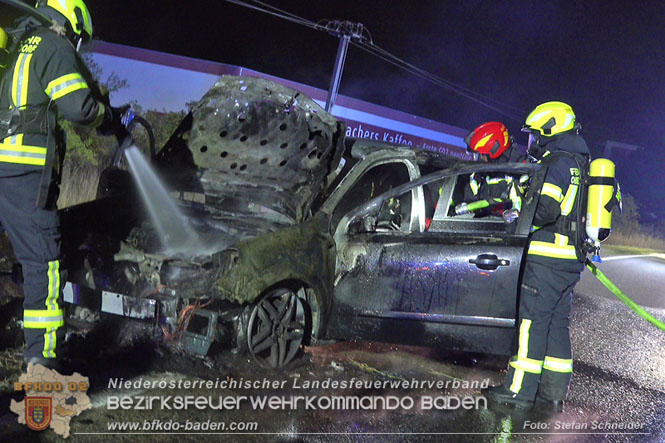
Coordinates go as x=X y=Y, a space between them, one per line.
x=603 y=57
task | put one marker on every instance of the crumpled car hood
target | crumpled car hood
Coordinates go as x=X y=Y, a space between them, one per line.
x=214 y=229
x=254 y=141
x=249 y=159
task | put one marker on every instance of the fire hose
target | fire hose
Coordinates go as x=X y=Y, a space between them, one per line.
x=125 y=140
x=621 y=296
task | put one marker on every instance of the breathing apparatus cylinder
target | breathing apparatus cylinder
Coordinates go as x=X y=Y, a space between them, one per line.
x=601 y=195
x=4 y=54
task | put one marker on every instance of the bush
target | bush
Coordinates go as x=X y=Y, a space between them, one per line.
x=627 y=230
x=89 y=154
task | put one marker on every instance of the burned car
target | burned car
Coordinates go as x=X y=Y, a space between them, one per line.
x=274 y=231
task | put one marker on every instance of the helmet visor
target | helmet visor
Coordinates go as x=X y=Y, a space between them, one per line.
x=533 y=148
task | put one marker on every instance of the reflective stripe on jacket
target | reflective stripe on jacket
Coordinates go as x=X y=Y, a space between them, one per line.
x=46 y=75
x=557 y=199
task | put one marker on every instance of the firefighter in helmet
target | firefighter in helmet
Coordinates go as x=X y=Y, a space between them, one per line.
x=45 y=77
x=492 y=193
x=542 y=365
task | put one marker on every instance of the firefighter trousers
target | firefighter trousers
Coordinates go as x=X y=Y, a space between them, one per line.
x=35 y=238
x=543 y=362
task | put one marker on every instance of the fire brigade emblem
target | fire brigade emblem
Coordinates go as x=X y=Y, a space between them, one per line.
x=38 y=412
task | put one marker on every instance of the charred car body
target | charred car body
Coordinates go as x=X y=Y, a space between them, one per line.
x=295 y=235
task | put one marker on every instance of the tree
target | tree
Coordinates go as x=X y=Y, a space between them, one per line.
x=163 y=124
x=88 y=153
x=84 y=146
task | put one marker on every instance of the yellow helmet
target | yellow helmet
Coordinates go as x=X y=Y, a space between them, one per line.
x=75 y=12
x=550 y=118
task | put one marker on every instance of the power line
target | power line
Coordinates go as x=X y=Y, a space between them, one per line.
x=365 y=43
x=446 y=82
x=277 y=13
x=396 y=61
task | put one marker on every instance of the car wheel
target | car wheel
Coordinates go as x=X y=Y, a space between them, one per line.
x=276 y=328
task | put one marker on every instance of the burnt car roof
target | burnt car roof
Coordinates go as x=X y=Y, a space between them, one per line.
x=361 y=148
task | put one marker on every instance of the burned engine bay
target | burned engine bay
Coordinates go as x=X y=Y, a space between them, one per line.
x=241 y=171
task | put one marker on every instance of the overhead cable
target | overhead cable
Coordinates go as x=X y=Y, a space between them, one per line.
x=435 y=79
x=277 y=13
x=446 y=82
x=366 y=44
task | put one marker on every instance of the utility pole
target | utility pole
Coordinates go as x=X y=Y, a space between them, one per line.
x=346 y=31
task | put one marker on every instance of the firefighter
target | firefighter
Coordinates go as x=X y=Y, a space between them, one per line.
x=491 y=143
x=45 y=76
x=541 y=369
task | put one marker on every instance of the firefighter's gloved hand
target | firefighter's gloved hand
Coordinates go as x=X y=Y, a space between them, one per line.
x=510 y=215
x=104 y=92
x=462 y=209
x=112 y=117
x=112 y=124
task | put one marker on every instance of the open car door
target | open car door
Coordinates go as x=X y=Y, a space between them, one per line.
x=453 y=283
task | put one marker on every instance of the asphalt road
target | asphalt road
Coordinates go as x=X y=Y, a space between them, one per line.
x=640 y=277
x=617 y=393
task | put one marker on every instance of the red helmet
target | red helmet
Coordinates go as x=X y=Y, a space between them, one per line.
x=490 y=138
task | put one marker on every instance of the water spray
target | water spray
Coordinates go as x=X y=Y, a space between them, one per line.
x=175 y=232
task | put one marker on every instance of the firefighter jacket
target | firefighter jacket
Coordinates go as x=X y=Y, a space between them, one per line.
x=504 y=187
x=508 y=188
x=555 y=220
x=46 y=74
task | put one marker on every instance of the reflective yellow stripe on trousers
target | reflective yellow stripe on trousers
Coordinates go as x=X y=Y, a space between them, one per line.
x=50 y=318
x=563 y=365
x=524 y=364
x=50 y=337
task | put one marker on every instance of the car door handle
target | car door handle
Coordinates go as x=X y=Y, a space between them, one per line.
x=489 y=262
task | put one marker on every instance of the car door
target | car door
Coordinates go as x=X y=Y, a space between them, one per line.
x=452 y=283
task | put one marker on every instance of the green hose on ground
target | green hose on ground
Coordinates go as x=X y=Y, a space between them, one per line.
x=621 y=296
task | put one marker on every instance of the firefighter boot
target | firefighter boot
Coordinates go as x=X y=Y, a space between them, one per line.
x=504 y=396
x=548 y=407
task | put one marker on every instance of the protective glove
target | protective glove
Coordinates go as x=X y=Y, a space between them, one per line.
x=510 y=215
x=104 y=93
x=462 y=208
x=112 y=124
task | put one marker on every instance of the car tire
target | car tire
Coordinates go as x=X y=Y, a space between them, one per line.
x=276 y=328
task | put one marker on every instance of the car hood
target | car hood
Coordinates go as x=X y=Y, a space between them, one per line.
x=210 y=230
x=253 y=141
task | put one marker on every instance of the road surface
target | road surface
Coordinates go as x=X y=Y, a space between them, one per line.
x=617 y=393
x=640 y=277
